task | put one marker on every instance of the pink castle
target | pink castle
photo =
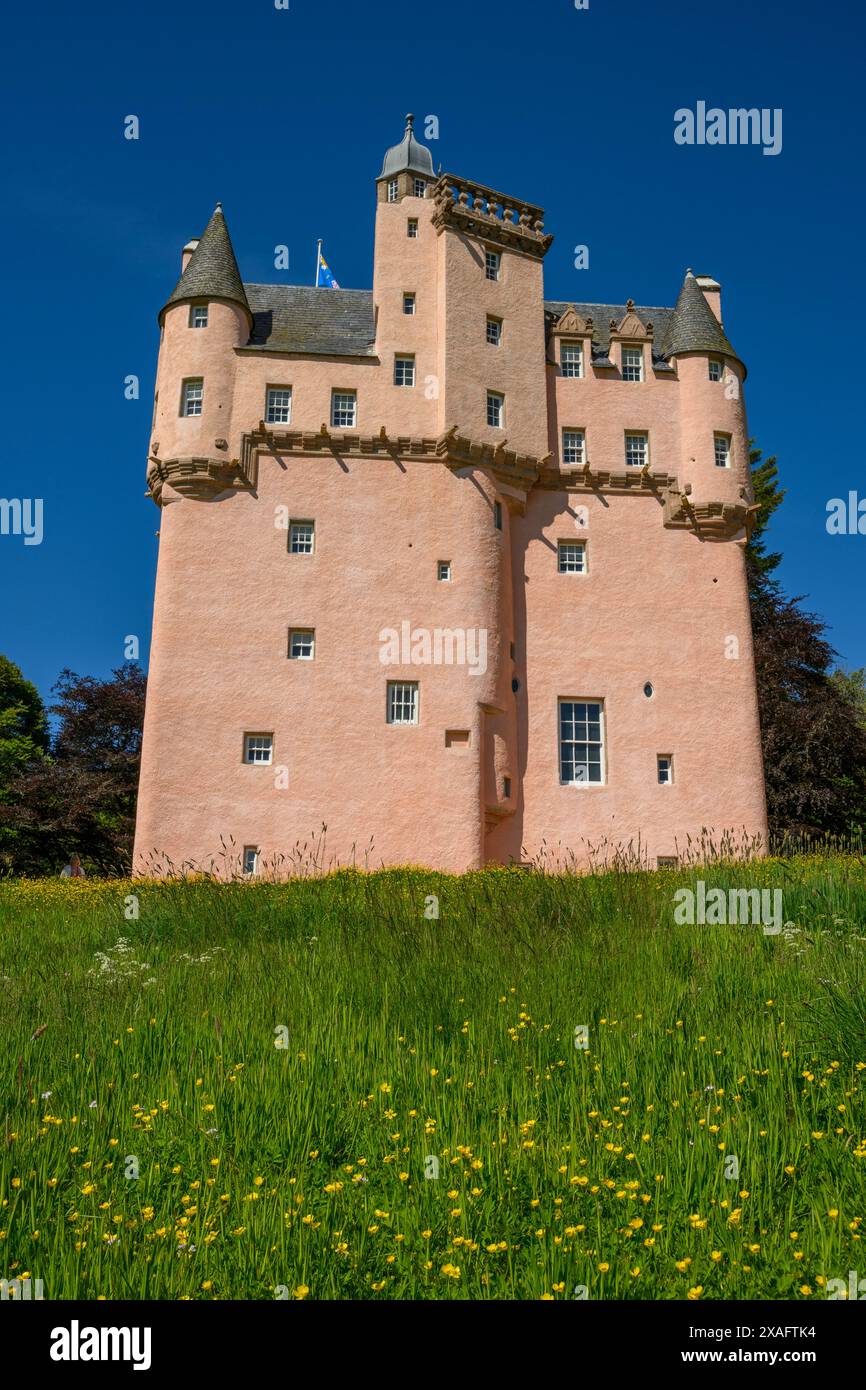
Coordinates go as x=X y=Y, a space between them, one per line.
x=450 y=568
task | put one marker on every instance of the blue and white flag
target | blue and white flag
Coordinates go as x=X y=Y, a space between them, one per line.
x=324 y=276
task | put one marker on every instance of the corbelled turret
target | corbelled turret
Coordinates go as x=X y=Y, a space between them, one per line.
x=211 y=272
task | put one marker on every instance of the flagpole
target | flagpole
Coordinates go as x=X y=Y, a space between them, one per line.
x=318 y=261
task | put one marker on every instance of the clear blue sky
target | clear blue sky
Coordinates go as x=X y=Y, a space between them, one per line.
x=284 y=116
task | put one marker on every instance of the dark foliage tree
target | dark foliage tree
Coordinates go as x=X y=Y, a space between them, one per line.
x=81 y=799
x=812 y=725
x=23 y=740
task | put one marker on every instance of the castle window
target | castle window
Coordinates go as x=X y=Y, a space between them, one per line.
x=495 y=410
x=443 y=569
x=408 y=303
x=402 y=702
x=573 y=447
x=302 y=644
x=665 y=765
x=632 y=364
x=404 y=371
x=571 y=557
x=419 y=188
x=572 y=359
x=344 y=409
x=506 y=787
x=412 y=227
x=491 y=265
x=258 y=748
x=636 y=449
x=581 y=742
x=722 y=448
x=192 y=395
x=302 y=536
x=494 y=331
x=278 y=405
x=715 y=369
x=392 y=190
x=497 y=515
x=198 y=316
x=667 y=861
x=251 y=859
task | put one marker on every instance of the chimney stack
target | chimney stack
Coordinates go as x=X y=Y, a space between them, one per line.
x=712 y=292
x=187 y=253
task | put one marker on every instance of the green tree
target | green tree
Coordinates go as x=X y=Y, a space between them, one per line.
x=23 y=740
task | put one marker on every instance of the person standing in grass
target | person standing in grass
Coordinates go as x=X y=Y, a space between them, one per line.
x=73 y=868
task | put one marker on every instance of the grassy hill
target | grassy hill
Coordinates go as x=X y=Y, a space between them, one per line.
x=324 y=1089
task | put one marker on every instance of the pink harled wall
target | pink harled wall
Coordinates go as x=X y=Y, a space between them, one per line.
x=478 y=778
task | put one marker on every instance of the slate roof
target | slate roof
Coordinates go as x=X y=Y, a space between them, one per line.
x=299 y=318
x=212 y=270
x=693 y=327
x=409 y=154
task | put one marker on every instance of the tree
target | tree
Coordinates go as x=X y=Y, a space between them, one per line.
x=82 y=799
x=23 y=739
x=812 y=724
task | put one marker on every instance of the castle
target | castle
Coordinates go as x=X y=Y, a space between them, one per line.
x=452 y=569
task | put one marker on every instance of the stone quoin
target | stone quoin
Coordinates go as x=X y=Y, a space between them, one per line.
x=452 y=452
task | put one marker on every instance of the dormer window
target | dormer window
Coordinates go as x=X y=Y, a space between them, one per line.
x=572 y=359
x=632 y=364
x=198 y=316
x=419 y=188
x=392 y=190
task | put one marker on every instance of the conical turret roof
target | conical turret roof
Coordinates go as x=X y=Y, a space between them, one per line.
x=407 y=155
x=693 y=327
x=212 y=270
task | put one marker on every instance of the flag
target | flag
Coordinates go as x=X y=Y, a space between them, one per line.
x=324 y=276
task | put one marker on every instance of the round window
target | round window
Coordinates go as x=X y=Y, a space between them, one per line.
x=648 y=691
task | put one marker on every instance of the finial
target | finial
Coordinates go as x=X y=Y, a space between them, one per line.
x=218 y=208
x=409 y=122
x=690 y=272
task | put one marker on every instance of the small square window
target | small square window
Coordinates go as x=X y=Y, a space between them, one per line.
x=258 y=748
x=402 y=702
x=392 y=190
x=404 y=371
x=497 y=515
x=715 y=369
x=571 y=557
x=632 y=364
x=192 y=396
x=302 y=537
x=443 y=569
x=636 y=449
x=344 y=409
x=302 y=644
x=722 y=449
x=408 y=303
x=412 y=227
x=572 y=359
x=278 y=405
x=665 y=765
x=573 y=447
x=198 y=316
x=251 y=859
x=419 y=188
x=491 y=265
x=494 y=331
x=495 y=410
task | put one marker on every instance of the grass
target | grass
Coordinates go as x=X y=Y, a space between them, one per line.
x=430 y=1129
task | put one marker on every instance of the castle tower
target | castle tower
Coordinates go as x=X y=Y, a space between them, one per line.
x=450 y=569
